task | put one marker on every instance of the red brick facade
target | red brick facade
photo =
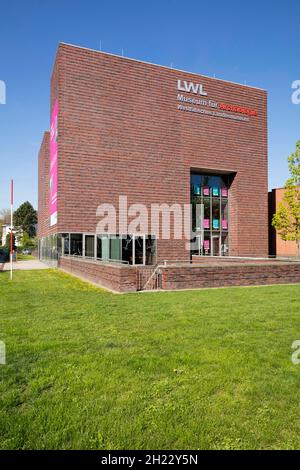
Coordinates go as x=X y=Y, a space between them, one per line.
x=43 y=187
x=120 y=133
x=277 y=246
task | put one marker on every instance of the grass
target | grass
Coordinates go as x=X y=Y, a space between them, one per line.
x=21 y=257
x=87 y=369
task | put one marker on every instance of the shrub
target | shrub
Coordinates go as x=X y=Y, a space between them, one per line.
x=4 y=255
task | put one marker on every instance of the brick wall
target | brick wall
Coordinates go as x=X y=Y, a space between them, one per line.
x=215 y=260
x=120 y=133
x=122 y=278
x=277 y=246
x=43 y=187
x=118 y=278
x=188 y=277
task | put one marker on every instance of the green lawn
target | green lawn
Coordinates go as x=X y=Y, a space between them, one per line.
x=21 y=257
x=203 y=369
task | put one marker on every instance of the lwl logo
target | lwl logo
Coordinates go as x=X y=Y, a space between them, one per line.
x=191 y=87
x=2 y=92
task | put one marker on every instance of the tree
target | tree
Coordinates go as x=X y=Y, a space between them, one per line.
x=7 y=241
x=287 y=218
x=25 y=219
x=5 y=216
x=27 y=242
x=4 y=219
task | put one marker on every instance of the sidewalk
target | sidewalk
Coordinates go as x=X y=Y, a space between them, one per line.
x=25 y=265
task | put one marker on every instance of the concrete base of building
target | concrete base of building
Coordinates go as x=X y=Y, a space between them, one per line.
x=206 y=274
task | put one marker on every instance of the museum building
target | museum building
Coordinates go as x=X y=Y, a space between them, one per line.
x=159 y=136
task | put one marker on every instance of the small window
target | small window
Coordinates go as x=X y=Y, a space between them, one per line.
x=89 y=246
x=150 y=249
x=76 y=244
x=127 y=248
x=65 y=244
x=99 y=247
x=115 y=247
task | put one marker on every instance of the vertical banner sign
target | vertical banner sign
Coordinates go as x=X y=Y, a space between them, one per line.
x=53 y=166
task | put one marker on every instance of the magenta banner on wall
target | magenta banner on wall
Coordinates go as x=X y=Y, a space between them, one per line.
x=53 y=166
x=205 y=191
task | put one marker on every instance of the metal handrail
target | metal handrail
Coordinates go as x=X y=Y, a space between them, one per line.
x=92 y=258
x=155 y=271
x=228 y=258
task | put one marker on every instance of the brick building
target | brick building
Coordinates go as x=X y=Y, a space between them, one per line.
x=277 y=246
x=123 y=127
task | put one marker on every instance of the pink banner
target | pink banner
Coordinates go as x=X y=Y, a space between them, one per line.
x=205 y=191
x=205 y=223
x=53 y=166
x=224 y=224
x=206 y=245
x=224 y=192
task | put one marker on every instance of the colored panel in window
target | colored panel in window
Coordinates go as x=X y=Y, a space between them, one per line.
x=205 y=223
x=215 y=191
x=197 y=190
x=206 y=245
x=224 y=192
x=216 y=224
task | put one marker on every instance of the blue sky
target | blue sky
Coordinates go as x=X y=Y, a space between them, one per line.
x=256 y=42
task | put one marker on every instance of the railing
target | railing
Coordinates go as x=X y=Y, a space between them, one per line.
x=92 y=258
x=149 y=278
x=198 y=259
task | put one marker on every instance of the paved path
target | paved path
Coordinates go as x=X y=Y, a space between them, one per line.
x=26 y=265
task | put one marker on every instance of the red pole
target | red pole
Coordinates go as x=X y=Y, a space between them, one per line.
x=11 y=192
x=11 y=225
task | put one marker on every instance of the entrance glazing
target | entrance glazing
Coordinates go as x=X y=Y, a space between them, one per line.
x=209 y=199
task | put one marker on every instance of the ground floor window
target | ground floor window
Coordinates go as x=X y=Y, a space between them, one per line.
x=48 y=249
x=126 y=249
x=210 y=225
x=129 y=249
x=89 y=246
x=76 y=244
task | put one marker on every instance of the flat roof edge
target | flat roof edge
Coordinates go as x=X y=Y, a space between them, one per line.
x=162 y=66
